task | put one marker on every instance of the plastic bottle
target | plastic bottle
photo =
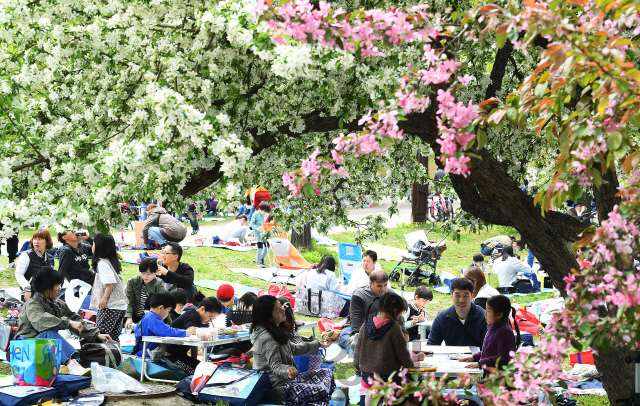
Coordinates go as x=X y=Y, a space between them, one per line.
x=338 y=398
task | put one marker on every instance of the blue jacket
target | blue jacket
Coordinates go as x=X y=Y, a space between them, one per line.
x=256 y=222
x=152 y=325
x=447 y=327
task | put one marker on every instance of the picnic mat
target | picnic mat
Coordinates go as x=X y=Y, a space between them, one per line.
x=206 y=242
x=385 y=252
x=215 y=285
x=266 y=274
x=324 y=240
x=130 y=257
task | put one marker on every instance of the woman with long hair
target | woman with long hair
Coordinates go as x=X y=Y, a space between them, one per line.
x=323 y=277
x=32 y=261
x=273 y=350
x=481 y=289
x=508 y=267
x=108 y=295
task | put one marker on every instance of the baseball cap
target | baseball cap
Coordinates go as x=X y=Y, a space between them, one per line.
x=225 y=292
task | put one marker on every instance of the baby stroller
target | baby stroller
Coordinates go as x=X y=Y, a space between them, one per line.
x=423 y=254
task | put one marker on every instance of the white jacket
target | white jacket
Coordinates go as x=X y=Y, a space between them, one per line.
x=508 y=270
x=487 y=292
x=360 y=279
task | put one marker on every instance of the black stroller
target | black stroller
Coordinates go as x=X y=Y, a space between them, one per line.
x=423 y=254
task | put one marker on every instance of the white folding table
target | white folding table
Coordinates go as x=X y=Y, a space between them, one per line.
x=194 y=342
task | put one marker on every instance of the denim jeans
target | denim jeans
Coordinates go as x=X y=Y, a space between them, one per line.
x=193 y=219
x=66 y=349
x=530 y=258
x=154 y=232
x=343 y=342
x=487 y=251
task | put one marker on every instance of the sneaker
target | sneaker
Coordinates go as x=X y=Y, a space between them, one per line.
x=75 y=368
x=262 y=265
x=194 y=232
x=12 y=265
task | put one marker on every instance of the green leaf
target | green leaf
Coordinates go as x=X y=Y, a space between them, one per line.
x=585 y=328
x=501 y=39
x=621 y=152
x=541 y=88
x=576 y=344
x=575 y=192
x=482 y=138
x=340 y=123
x=308 y=190
x=614 y=139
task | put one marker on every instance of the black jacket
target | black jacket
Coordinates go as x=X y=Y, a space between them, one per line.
x=74 y=263
x=181 y=278
x=447 y=327
x=188 y=318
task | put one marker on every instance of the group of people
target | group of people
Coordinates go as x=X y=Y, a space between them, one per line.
x=94 y=262
x=163 y=301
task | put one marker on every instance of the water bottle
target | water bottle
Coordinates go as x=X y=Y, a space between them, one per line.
x=338 y=398
x=537 y=309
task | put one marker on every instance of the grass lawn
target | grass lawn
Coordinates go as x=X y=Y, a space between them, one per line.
x=215 y=264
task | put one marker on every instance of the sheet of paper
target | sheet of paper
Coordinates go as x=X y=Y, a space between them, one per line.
x=445 y=349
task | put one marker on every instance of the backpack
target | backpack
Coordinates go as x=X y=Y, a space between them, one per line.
x=523 y=285
x=107 y=354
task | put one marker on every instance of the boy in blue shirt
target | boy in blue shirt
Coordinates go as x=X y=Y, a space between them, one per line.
x=152 y=324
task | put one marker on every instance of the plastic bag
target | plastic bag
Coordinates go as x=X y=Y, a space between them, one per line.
x=111 y=380
x=201 y=376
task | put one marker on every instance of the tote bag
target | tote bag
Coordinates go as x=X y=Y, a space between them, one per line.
x=319 y=303
x=35 y=361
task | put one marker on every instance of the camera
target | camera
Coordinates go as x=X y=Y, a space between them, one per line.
x=82 y=233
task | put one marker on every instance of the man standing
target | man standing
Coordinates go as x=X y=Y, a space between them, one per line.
x=463 y=323
x=73 y=257
x=174 y=273
x=73 y=260
x=360 y=301
x=360 y=277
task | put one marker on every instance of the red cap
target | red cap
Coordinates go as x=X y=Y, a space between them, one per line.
x=225 y=292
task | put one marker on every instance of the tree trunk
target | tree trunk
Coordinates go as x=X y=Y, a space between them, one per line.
x=419 y=195
x=302 y=241
x=617 y=377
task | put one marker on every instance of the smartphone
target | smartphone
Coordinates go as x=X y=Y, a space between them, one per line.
x=82 y=233
x=160 y=262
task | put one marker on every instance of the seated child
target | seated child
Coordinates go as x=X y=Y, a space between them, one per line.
x=499 y=341
x=139 y=290
x=247 y=300
x=478 y=260
x=192 y=317
x=152 y=324
x=182 y=303
x=416 y=312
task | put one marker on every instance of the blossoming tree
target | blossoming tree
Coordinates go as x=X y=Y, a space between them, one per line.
x=128 y=99
x=583 y=94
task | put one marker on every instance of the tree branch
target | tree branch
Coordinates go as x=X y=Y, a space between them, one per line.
x=29 y=165
x=498 y=70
